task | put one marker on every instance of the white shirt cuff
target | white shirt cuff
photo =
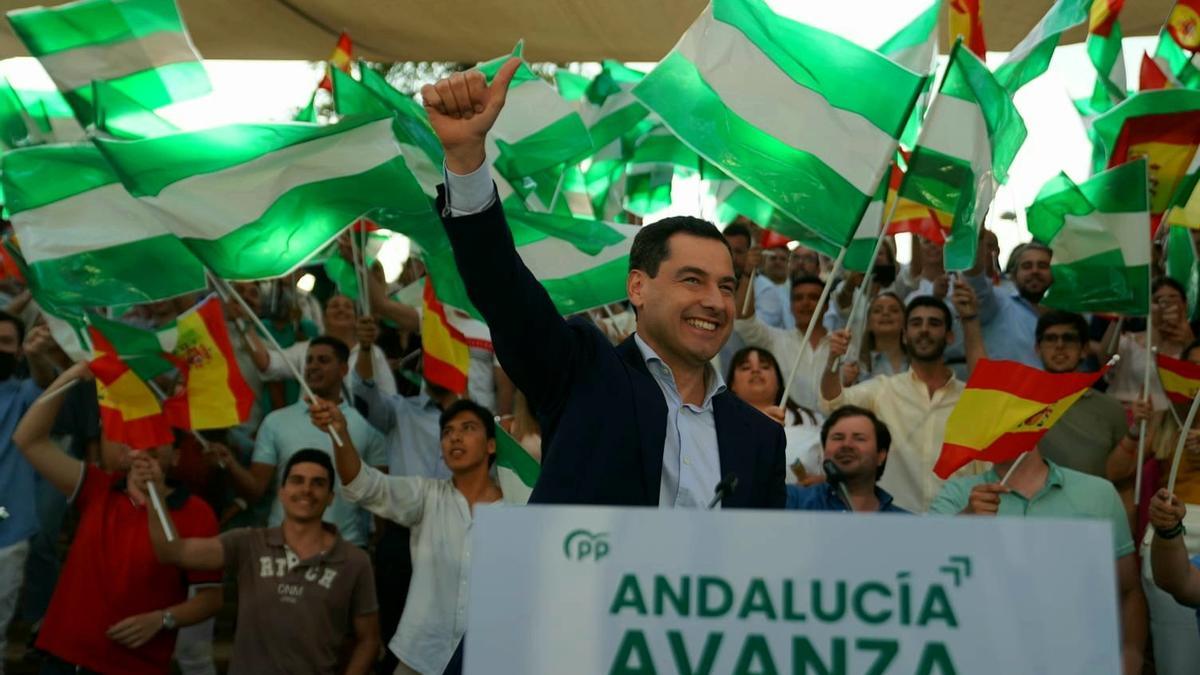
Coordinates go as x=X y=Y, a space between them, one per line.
x=469 y=194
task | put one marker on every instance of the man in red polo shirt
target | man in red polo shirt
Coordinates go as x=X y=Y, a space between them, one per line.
x=116 y=608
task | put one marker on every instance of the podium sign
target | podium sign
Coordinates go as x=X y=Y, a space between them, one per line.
x=583 y=590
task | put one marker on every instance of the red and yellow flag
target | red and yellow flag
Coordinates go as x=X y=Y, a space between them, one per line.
x=214 y=394
x=1184 y=24
x=1005 y=410
x=966 y=19
x=772 y=239
x=909 y=216
x=446 y=354
x=1180 y=379
x=1151 y=75
x=130 y=413
x=1168 y=141
x=1103 y=15
x=340 y=59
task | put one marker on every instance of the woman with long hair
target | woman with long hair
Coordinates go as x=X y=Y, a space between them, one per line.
x=882 y=351
x=754 y=376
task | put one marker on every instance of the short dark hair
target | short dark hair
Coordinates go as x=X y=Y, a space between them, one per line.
x=806 y=280
x=928 y=301
x=883 y=437
x=467 y=405
x=339 y=348
x=1056 y=317
x=737 y=230
x=313 y=456
x=9 y=318
x=486 y=417
x=650 y=247
x=1171 y=282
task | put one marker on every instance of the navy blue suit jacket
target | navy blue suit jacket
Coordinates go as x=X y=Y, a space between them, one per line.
x=603 y=416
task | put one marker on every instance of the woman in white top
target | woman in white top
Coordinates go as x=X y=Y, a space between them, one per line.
x=754 y=377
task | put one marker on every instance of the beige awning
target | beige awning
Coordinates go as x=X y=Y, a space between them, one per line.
x=476 y=30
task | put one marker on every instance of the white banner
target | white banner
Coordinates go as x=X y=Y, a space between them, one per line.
x=582 y=590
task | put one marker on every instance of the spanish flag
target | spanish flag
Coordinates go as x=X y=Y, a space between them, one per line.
x=446 y=354
x=340 y=59
x=1168 y=141
x=1005 y=410
x=214 y=394
x=966 y=20
x=130 y=412
x=925 y=222
x=1183 y=23
x=1180 y=379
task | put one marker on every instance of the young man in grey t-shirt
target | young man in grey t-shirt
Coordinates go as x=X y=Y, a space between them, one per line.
x=303 y=591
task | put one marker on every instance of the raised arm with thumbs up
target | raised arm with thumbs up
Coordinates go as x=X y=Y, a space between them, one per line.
x=462 y=109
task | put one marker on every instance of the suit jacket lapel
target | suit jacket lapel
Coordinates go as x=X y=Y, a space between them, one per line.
x=650 y=408
x=735 y=448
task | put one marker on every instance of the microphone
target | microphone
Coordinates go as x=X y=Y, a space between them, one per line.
x=724 y=488
x=834 y=475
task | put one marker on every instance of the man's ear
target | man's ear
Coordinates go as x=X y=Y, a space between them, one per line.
x=635 y=287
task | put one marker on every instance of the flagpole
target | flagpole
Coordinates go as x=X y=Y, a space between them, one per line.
x=356 y=259
x=557 y=189
x=1183 y=435
x=54 y=393
x=812 y=323
x=1013 y=469
x=1141 y=451
x=749 y=293
x=365 y=286
x=228 y=293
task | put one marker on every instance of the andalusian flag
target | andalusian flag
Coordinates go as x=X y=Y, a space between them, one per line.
x=447 y=358
x=1164 y=127
x=1105 y=53
x=1031 y=57
x=912 y=217
x=130 y=412
x=1180 y=379
x=122 y=117
x=373 y=97
x=651 y=170
x=537 y=130
x=1005 y=410
x=968 y=141
x=516 y=469
x=582 y=264
x=608 y=108
x=254 y=201
x=215 y=395
x=140 y=47
x=966 y=21
x=571 y=86
x=914 y=46
x=1181 y=265
x=765 y=99
x=87 y=242
x=32 y=116
x=1100 y=233
x=343 y=52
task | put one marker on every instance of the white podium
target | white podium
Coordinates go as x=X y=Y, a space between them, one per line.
x=584 y=590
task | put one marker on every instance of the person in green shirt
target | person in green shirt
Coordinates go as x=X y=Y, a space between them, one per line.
x=1035 y=487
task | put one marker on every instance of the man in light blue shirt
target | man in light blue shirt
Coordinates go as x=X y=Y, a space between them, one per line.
x=773 y=290
x=1010 y=319
x=289 y=430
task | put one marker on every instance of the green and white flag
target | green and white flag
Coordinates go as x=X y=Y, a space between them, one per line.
x=657 y=157
x=122 y=117
x=609 y=109
x=29 y=117
x=967 y=142
x=1100 y=233
x=141 y=47
x=537 y=130
x=255 y=201
x=766 y=100
x=581 y=263
x=516 y=469
x=85 y=240
x=915 y=47
x=1031 y=57
x=373 y=97
x=1182 y=265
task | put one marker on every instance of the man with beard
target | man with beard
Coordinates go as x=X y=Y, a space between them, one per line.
x=857 y=443
x=1010 y=319
x=646 y=423
x=915 y=405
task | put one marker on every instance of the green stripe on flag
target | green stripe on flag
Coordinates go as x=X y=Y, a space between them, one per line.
x=516 y=469
x=92 y=22
x=1031 y=57
x=1100 y=233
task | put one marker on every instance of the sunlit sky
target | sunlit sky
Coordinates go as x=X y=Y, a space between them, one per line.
x=259 y=91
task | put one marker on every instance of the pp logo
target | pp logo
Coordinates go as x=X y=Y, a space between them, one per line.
x=584 y=545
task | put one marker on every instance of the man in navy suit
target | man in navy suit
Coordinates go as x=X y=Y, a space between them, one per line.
x=647 y=423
